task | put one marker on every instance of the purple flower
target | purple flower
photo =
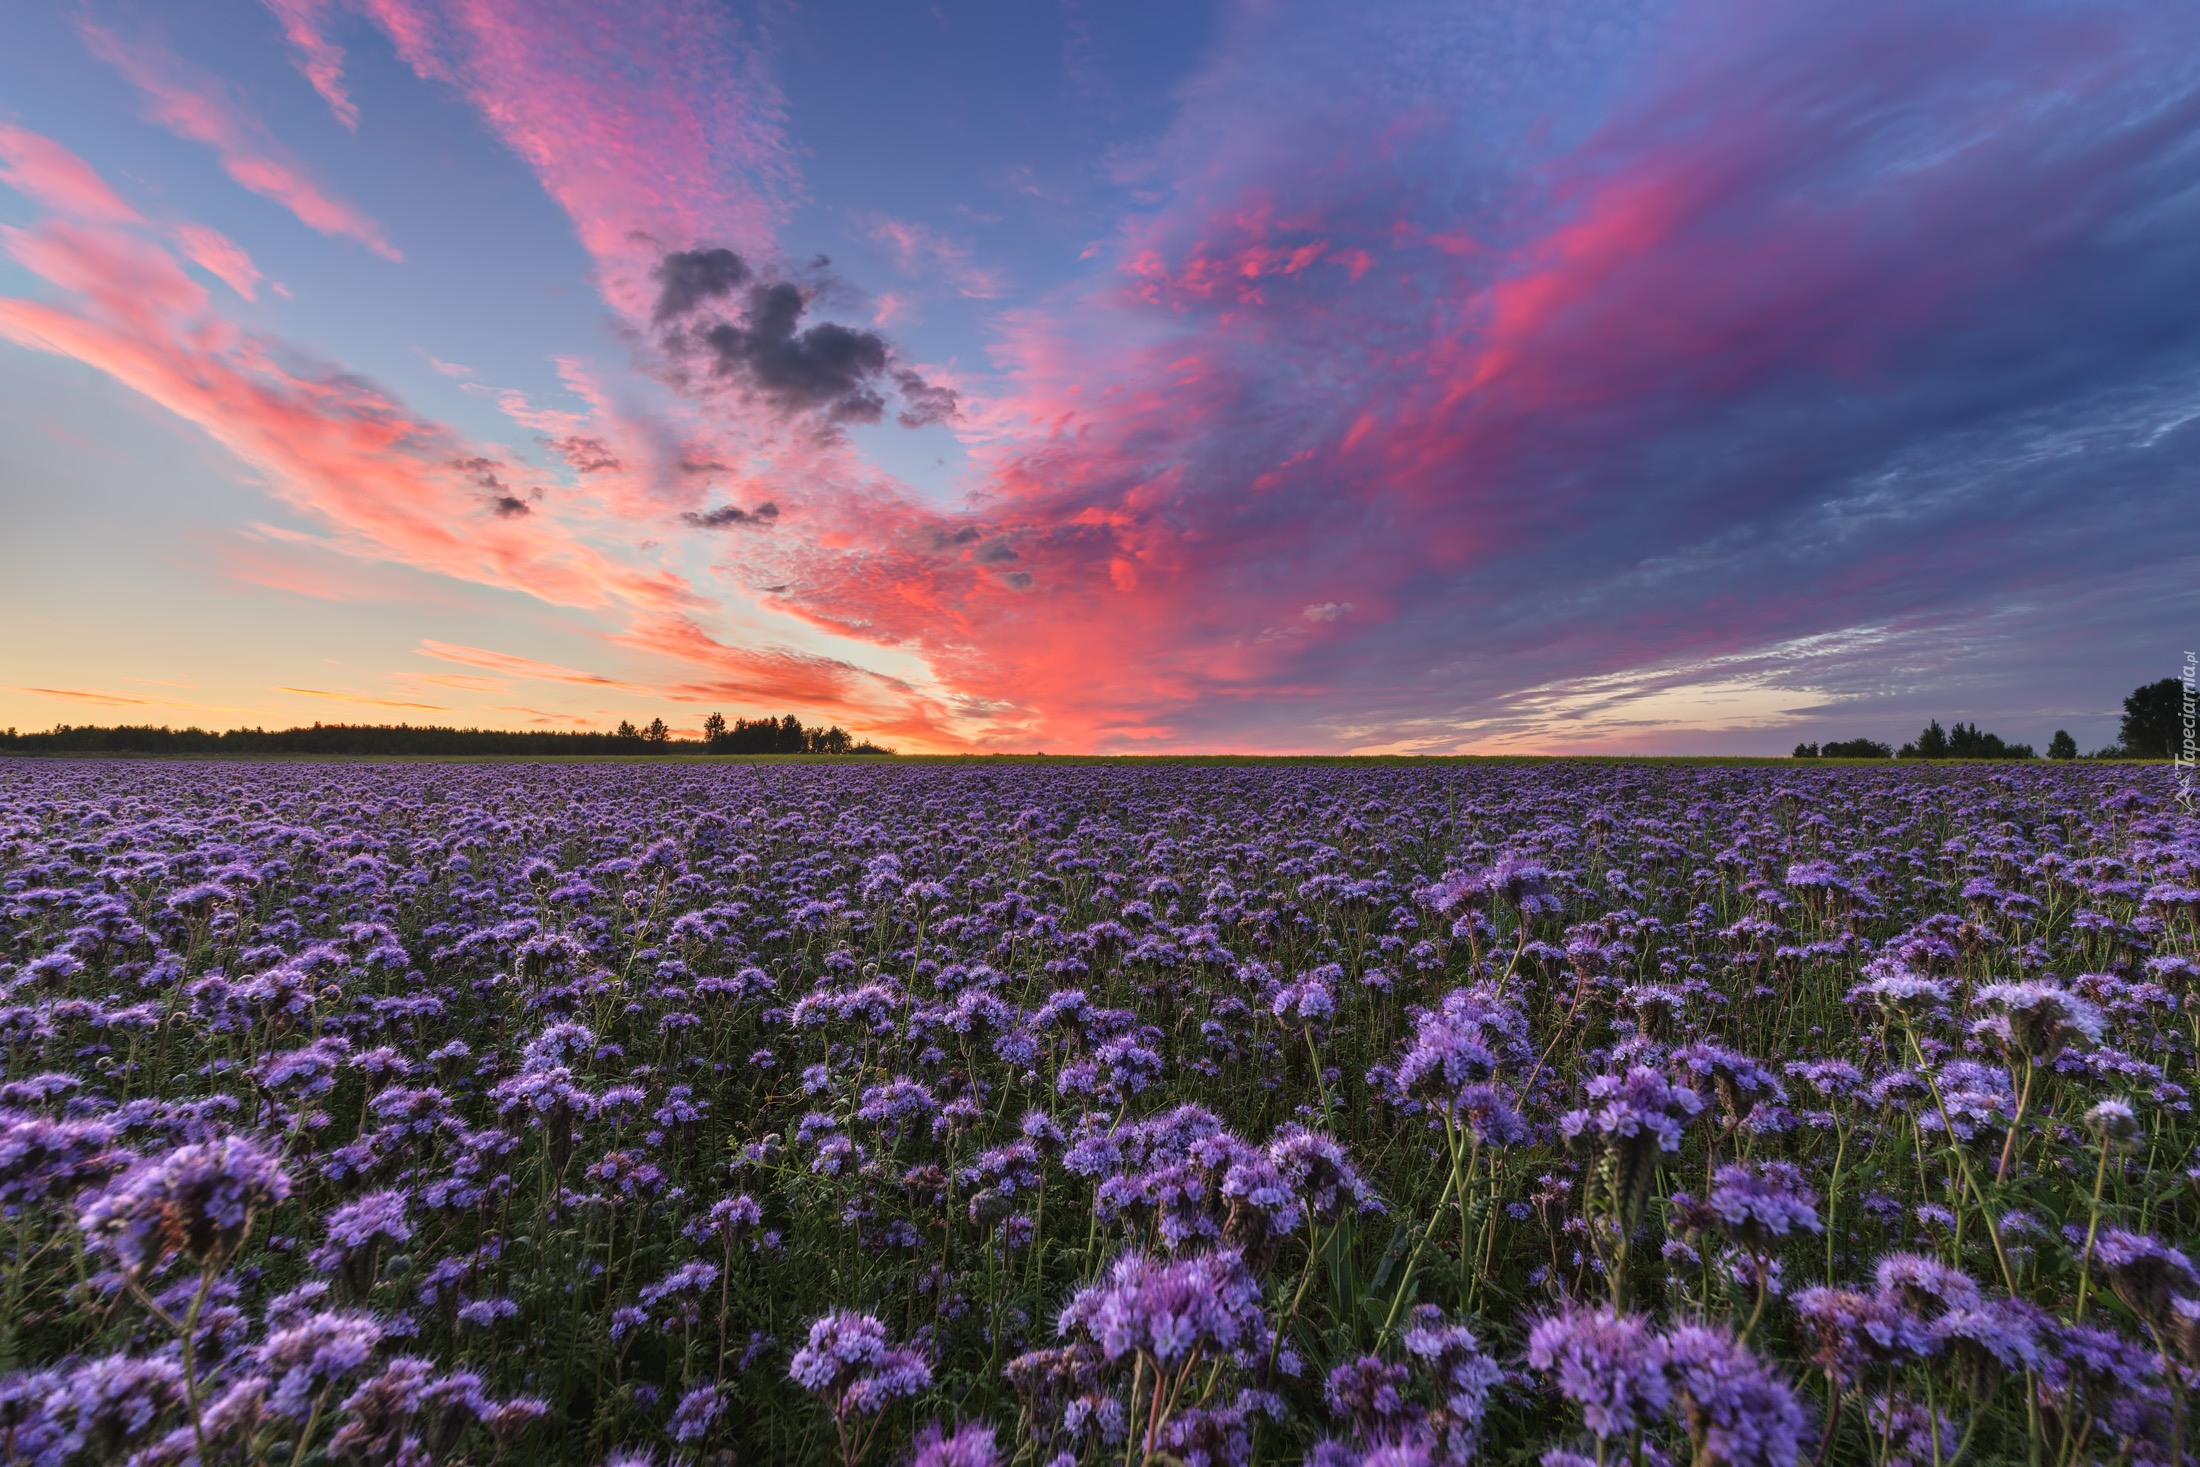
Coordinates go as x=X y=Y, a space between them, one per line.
x=1739 y=1413
x=307 y=1071
x=1167 y=1311
x=1606 y=1363
x=1898 y=990
x=486 y=1313
x=1372 y=1393
x=1632 y=1122
x=1464 y=1377
x=117 y=1402
x=376 y=1217
x=1466 y=1039
x=2145 y=1272
x=1740 y=1081
x=970 y=1445
x=1924 y=1285
x=697 y=1412
x=1755 y=1204
x=1990 y=1337
x=850 y=1361
x=2036 y=1019
x=1915 y=1434
x=686 y=1286
x=1855 y=1333
x=317 y=1351
x=731 y=1219
x=40 y=1158
x=198 y=1199
x=1319 y=1171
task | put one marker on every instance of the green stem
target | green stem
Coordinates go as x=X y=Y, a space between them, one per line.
x=2085 y=1261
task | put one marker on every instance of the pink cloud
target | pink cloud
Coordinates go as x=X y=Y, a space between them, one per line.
x=394 y=486
x=523 y=667
x=120 y=700
x=219 y=256
x=363 y=699
x=319 y=58
x=202 y=108
x=655 y=126
x=50 y=175
x=921 y=251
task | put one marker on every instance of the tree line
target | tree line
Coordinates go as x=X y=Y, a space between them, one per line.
x=2152 y=728
x=787 y=735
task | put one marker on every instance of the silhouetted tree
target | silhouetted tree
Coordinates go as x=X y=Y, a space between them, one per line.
x=1855 y=749
x=657 y=732
x=1932 y=743
x=714 y=730
x=2062 y=745
x=2153 y=726
x=1964 y=741
x=1806 y=751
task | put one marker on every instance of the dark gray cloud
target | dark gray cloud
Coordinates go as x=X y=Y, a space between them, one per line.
x=687 y=278
x=699 y=466
x=772 y=350
x=926 y=403
x=584 y=455
x=483 y=471
x=825 y=368
x=502 y=499
x=725 y=516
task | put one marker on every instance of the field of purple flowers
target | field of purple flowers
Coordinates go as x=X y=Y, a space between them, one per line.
x=1367 y=1117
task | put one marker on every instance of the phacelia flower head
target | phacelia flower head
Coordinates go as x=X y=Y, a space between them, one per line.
x=850 y=1361
x=1853 y=1333
x=1631 y=1123
x=1739 y=1412
x=197 y=1199
x=2036 y=1019
x=2115 y=1121
x=1604 y=1362
x=1168 y=1310
x=969 y=1445
x=2144 y=1272
x=1755 y=1205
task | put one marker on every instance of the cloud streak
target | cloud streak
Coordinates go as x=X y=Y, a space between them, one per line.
x=655 y=126
x=201 y=108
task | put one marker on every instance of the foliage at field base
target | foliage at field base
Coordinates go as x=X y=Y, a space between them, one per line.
x=784 y=735
x=1376 y=1116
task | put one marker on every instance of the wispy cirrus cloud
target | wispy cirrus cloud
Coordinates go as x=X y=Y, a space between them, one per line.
x=390 y=484
x=363 y=699
x=123 y=700
x=320 y=60
x=924 y=252
x=655 y=126
x=200 y=107
x=48 y=174
x=522 y=667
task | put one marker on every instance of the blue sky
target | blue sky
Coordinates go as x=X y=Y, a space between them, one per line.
x=1281 y=376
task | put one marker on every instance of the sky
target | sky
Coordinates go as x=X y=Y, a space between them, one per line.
x=1263 y=376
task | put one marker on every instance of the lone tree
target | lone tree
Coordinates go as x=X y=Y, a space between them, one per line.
x=2062 y=745
x=2153 y=726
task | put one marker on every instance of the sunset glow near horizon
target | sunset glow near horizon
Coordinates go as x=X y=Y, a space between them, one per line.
x=1258 y=377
